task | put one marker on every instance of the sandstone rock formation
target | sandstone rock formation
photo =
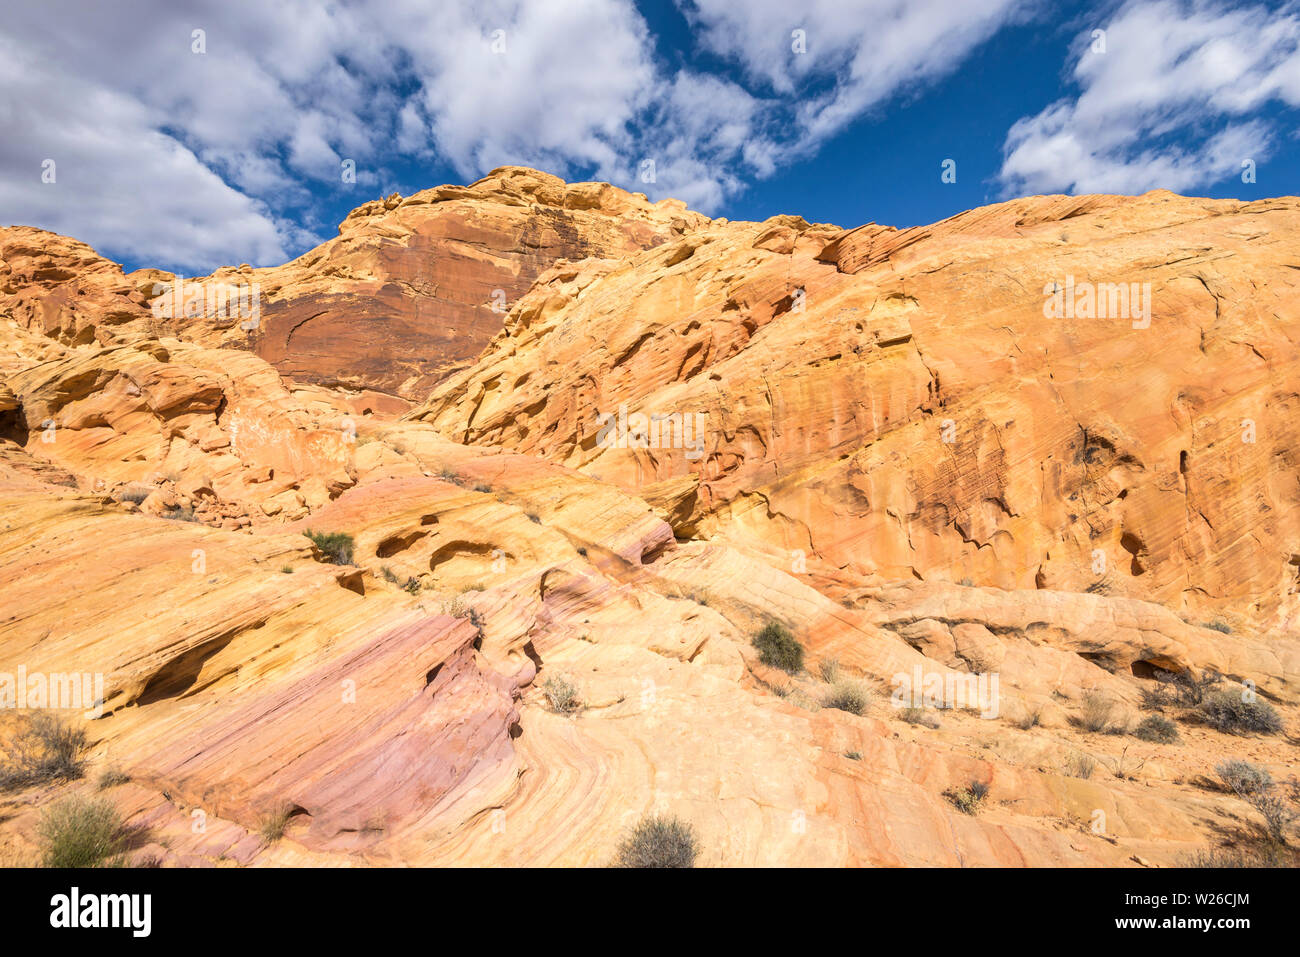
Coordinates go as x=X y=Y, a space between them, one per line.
x=897 y=453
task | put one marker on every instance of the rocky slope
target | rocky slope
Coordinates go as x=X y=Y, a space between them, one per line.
x=900 y=456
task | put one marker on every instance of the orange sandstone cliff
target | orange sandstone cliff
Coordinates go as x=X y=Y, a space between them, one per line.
x=926 y=452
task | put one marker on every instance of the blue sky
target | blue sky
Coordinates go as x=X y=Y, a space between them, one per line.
x=190 y=150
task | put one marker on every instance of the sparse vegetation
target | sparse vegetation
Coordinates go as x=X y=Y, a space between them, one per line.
x=180 y=514
x=448 y=475
x=659 y=842
x=969 y=799
x=1080 y=765
x=1219 y=625
x=412 y=586
x=275 y=822
x=1155 y=697
x=534 y=518
x=853 y=755
x=134 y=495
x=778 y=648
x=81 y=831
x=1157 y=729
x=919 y=716
x=561 y=695
x=388 y=575
x=482 y=487
x=1096 y=713
x=1244 y=777
x=848 y=696
x=335 y=546
x=286 y=570
x=1029 y=718
x=47 y=749
x=1232 y=712
x=111 y=777
x=1192 y=689
x=829 y=669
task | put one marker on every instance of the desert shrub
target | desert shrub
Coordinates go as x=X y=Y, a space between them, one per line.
x=275 y=822
x=134 y=495
x=778 y=648
x=1097 y=710
x=1158 y=729
x=1235 y=856
x=829 y=669
x=335 y=546
x=181 y=514
x=448 y=475
x=476 y=586
x=388 y=575
x=1030 y=718
x=561 y=695
x=1192 y=689
x=1230 y=711
x=659 y=842
x=286 y=570
x=919 y=716
x=969 y=799
x=111 y=777
x=534 y=518
x=848 y=696
x=1277 y=814
x=853 y=755
x=81 y=832
x=412 y=586
x=482 y=487
x=1080 y=765
x=47 y=749
x=1220 y=626
x=1155 y=697
x=1244 y=777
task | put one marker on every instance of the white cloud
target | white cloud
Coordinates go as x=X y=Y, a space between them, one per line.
x=178 y=158
x=1170 y=103
x=858 y=53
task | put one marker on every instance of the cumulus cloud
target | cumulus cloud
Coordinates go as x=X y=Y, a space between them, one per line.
x=1173 y=101
x=189 y=159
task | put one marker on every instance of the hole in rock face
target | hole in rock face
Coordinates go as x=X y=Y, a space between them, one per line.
x=1135 y=547
x=1144 y=669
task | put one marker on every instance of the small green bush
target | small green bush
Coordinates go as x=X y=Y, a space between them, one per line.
x=969 y=799
x=335 y=546
x=1158 y=729
x=1220 y=626
x=561 y=695
x=778 y=648
x=1230 y=711
x=659 y=842
x=81 y=832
